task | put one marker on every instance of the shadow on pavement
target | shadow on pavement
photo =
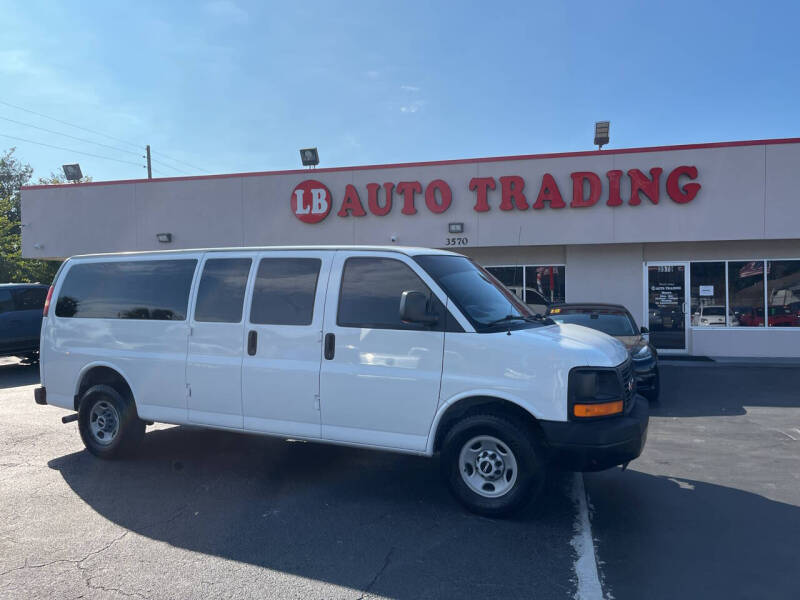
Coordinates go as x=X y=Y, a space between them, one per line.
x=376 y=522
x=724 y=391
x=16 y=374
x=674 y=538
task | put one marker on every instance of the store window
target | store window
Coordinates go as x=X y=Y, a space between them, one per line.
x=708 y=294
x=537 y=285
x=746 y=292
x=783 y=293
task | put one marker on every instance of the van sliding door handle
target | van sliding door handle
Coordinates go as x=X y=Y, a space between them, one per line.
x=330 y=346
x=252 y=342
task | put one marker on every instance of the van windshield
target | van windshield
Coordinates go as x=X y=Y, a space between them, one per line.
x=480 y=297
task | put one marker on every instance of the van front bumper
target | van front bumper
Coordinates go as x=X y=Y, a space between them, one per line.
x=600 y=444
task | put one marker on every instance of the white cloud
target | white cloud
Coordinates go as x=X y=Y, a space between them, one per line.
x=412 y=107
x=409 y=88
x=225 y=9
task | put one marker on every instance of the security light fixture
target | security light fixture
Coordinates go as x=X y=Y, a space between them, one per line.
x=601 y=133
x=309 y=156
x=164 y=238
x=455 y=227
x=72 y=172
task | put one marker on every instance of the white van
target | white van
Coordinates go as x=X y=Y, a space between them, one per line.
x=402 y=349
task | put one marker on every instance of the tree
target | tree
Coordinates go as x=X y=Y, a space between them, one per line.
x=14 y=268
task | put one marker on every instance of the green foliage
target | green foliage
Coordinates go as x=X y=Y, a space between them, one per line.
x=14 y=268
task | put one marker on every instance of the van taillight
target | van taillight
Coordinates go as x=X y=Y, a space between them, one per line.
x=47 y=301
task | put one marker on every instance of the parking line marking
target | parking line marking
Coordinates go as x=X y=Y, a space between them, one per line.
x=585 y=565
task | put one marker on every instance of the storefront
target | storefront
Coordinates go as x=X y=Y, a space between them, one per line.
x=701 y=242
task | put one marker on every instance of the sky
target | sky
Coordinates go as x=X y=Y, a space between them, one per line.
x=228 y=86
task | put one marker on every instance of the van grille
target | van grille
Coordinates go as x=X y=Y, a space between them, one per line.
x=625 y=371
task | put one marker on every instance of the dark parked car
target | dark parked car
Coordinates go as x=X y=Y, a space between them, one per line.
x=21 y=307
x=616 y=321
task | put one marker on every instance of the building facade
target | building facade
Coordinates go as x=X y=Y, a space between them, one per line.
x=701 y=242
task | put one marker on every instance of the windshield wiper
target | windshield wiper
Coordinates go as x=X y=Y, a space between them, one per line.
x=508 y=318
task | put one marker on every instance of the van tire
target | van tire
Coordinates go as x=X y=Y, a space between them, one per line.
x=491 y=442
x=108 y=422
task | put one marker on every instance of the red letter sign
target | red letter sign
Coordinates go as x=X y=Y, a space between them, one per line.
x=595 y=189
x=549 y=192
x=512 y=187
x=430 y=196
x=689 y=191
x=351 y=205
x=311 y=201
x=639 y=181
x=614 y=199
x=408 y=189
x=482 y=185
x=372 y=199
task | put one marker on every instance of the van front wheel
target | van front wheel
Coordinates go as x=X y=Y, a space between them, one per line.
x=108 y=422
x=492 y=466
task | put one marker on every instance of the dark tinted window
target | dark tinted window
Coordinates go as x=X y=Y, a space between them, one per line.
x=371 y=290
x=6 y=301
x=139 y=289
x=284 y=291
x=221 y=293
x=30 y=298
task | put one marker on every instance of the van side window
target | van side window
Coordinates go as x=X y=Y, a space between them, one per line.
x=30 y=298
x=370 y=293
x=6 y=301
x=220 y=296
x=284 y=291
x=135 y=289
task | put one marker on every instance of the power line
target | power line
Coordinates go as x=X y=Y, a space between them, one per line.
x=33 y=112
x=181 y=162
x=111 y=137
x=71 y=150
x=163 y=164
x=71 y=136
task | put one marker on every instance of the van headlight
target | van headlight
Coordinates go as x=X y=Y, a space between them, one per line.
x=594 y=393
x=643 y=353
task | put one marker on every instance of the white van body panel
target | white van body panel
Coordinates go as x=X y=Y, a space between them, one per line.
x=382 y=386
x=150 y=355
x=280 y=383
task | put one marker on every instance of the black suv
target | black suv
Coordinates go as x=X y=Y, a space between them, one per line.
x=21 y=307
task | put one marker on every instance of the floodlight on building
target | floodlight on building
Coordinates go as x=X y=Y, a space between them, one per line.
x=72 y=172
x=309 y=156
x=601 y=133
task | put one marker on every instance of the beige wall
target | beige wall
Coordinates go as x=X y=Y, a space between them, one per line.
x=748 y=193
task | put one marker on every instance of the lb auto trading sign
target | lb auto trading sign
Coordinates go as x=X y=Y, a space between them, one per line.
x=312 y=201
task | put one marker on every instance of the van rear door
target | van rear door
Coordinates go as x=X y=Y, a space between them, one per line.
x=216 y=339
x=280 y=371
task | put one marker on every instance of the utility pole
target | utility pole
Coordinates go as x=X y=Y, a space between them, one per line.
x=149 y=166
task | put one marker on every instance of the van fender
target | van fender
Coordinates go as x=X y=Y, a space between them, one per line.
x=486 y=393
x=100 y=363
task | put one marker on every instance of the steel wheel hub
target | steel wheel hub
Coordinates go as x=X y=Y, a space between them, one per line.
x=103 y=422
x=488 y=466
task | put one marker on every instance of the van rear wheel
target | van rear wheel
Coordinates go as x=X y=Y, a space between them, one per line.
x=108 y=423
x=492 y=466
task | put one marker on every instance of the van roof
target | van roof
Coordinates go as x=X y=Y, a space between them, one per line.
x=408 y=250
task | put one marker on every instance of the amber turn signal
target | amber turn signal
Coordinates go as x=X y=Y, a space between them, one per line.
x=602 y=409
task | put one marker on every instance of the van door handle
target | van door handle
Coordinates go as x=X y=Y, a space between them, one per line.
x=252 y=342
x=330 y=346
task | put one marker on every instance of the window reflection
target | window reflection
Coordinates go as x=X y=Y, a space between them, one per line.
x=708 y=295
x=746 y=292
x=783 y=293
x=537 y=286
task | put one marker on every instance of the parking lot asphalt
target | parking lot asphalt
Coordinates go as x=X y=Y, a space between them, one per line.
x=711 y=509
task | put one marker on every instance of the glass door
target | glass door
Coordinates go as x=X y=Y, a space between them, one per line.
x=666 y=305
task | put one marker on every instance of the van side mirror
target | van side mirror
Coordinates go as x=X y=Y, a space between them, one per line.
x=644 y=329
x=414 y=308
